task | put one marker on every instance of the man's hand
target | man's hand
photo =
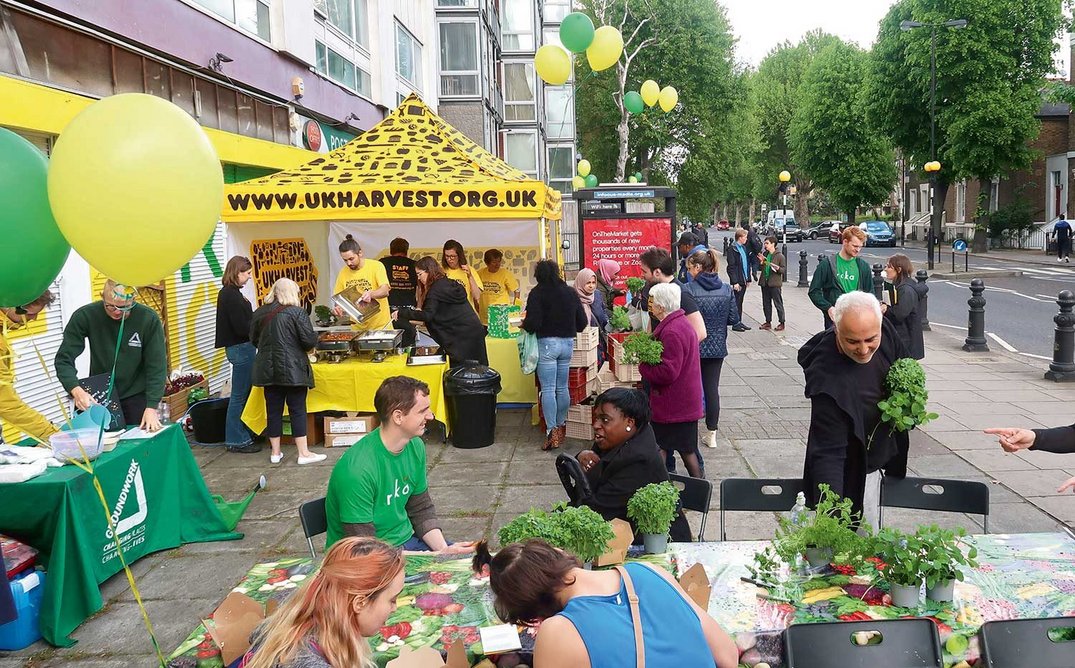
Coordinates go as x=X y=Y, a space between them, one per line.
x=366 y=297
x=832 y=313
x=884 y=308
x=1069 y=484
x=150 y=421
x=395 y=314
x=1013 y=439
x=736 y=287
x=588 y=459
x=459 y=548
x=82 y=398
x=337 y=311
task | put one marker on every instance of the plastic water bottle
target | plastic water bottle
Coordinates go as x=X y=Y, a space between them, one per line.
x=798 y=513
x=163 y=412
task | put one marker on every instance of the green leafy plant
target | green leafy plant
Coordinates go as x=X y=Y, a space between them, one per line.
x=653 y=508
x=766 y=566
x=905 y=406
x=902 y=554
x=619 y=321
x=534 y=523
x=324 y=315
x=635 y=285
x=831 y=525
x=580 y=531
x=942 y=554
x=642 y=348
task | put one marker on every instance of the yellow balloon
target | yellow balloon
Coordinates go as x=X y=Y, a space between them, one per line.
x=669 y=98
x=584 y=168
x=651 y=91
x=135 y=186
x=553 y=64
x=605 y=49
x=578 y=182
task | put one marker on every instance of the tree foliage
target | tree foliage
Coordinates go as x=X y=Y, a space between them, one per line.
x=830 y=137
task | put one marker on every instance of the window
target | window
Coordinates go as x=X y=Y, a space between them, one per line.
x=457 y=3
x=351 y=17
x=408 y=57
x=519 y=86
x=556 y=10
x=560 y=113
x=518 y=30
x=520 y=151
x=561 y=167
x=342 y=71
x=458 y=58
x=250 y=15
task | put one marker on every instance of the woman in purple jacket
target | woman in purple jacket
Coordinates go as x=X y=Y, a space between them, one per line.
x=675 y=383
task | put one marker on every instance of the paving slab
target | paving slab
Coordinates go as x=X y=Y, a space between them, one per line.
x=1042 y=482
x=996 y=460
x=474 y=474
x=1019 y=517
x=1060 y=507
x=519 y=499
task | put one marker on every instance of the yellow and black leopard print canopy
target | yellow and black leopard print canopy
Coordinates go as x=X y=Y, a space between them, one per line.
x=412 y=165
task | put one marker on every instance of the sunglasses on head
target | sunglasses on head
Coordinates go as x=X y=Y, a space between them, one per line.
x=21 y=310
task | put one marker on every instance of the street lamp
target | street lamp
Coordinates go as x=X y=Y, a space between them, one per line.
x=935 y=219
x=784 y=177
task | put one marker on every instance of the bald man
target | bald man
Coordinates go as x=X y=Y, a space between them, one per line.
x=845 y=368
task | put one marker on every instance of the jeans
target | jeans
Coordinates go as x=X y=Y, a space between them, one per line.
x=770 y=296
x=554 y=359
x=416 y=544
x=241 y=357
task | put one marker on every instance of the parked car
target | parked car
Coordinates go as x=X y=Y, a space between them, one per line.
x=794 y=232
x=723 y=225
x=878 y=233
x=836 y=228
x=815 y=232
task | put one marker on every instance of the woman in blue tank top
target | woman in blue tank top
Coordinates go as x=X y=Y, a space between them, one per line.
x=586 y=618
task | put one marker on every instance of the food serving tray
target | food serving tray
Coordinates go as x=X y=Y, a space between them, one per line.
x=425 y=360
x=380 y=339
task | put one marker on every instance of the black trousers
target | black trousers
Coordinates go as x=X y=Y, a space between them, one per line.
x=770 y=296
x=740 y=295
x=134 y=408
x=711 y=368
x=295 y=397
x=1063 y=247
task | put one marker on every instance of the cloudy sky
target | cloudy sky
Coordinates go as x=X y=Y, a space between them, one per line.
x=762 y=24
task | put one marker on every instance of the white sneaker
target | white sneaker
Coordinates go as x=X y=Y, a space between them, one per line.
x=275 y=459
x=711 y=439
x=312 y=459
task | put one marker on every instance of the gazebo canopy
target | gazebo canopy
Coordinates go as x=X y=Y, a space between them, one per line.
x=412 y=165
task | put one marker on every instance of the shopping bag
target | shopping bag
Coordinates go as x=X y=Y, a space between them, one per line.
x=528 y=352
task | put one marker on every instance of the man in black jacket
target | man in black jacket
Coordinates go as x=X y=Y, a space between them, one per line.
x=845 y=368
x=1058 y=439
x=739 y=276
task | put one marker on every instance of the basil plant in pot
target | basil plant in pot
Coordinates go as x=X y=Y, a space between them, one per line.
x=902 y=554
x=580 y=531
x=653 y=509
x=827 y=531
x=942 y=557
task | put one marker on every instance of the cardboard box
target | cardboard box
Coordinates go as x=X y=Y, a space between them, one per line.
x=233 y=622
x=342 y=432
x=315 y=435
x=696 y=583
x=616 y=550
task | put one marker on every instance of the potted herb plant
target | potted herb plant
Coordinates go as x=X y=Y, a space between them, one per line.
x=829 y=530
x=652 y=509
x=619 y=321
x=580 y=531
x=642 y=348
x=902 y=554
x=942 y=557
x=534 y=523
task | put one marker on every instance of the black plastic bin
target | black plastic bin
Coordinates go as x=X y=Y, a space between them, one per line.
x=470 y=391
x=209 y=418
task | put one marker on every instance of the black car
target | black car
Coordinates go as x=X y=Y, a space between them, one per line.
x=794 y=232
x=815 y=232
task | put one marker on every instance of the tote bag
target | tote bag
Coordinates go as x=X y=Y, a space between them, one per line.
x=528 y=352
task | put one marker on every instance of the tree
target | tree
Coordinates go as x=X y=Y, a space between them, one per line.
x=830 y=136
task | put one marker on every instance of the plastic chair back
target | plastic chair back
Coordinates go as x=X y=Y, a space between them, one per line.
x=314 y=521
x=573 y=479
x=694 y=494
x=900 y=643
x=943 y=494
x=1014 y=643
x=757 y=494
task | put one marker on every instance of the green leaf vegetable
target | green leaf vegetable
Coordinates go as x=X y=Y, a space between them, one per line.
x=580 y=531
x=905 y=406
x=635 y=285
x=942 y=554
x=832 y=526
x=902 y=552
x=324 y=314
x=642 y=348
x=653 y=508
x=619 y=320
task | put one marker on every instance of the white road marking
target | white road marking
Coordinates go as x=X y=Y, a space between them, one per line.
x=941 y=324
x=1007 y=346
x=1040 y=357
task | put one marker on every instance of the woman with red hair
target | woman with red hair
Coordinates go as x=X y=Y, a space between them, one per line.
x=327 y=621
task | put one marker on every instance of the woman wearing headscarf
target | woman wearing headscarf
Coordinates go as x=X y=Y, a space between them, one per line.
x=606 y=272
x=596 y=315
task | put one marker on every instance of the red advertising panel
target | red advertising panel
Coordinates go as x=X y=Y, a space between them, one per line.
x=623 y=240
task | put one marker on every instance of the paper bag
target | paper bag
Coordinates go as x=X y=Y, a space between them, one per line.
x=696 y=583
x=616 y=550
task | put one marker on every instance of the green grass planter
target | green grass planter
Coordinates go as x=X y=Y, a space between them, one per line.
x=653 y=509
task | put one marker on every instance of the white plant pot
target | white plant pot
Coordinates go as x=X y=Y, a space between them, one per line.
x=905 y=596
x=944 y=591
x=655 y=543
x=818 y=556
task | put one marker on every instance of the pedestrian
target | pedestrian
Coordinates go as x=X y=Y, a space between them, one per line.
x=837 y=275
x=901 y=308
x=754 y=246
x=233 y=316
x=845 y=368
x=499 y=285
x=772 y=281
x=555 y=315
x=453 y=260
x=448 y=315
x=658 y=267
x=739 y=275
x=594 y=306
x=1062 y=234
x=687 y=245
x=606 y=271
x=13 y=410
x=676 y=381
x=403 y=280
x=283 y=335
x=368 y=279
x=717 y=306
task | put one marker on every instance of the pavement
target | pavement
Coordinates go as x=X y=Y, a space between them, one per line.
x=763 y=434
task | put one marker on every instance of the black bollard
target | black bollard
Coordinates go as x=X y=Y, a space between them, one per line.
x=923 y=298
x=975 y=341
x=878 y=282
x=803 y=283
x=784 y=249
x=1062 y=370
x=725 y=251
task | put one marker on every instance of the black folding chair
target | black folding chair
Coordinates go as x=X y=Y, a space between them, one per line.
x=314 y=521
x=694 y=494
x=757 y=494
x=952 y=496
x=894 y=643
x=1022 y=642
x=573 y=479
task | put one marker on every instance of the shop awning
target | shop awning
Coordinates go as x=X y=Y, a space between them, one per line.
x=412 y=165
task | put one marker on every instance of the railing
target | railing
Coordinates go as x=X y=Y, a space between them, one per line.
x=1035 y=239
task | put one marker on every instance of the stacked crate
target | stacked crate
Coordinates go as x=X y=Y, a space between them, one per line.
x=582 y=383
x=624 y=373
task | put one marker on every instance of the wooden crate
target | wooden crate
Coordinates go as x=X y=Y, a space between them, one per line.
x=587 y=339
x=628 y=373
x=584 y=358
x=178 y=402
x=580 y=374
x=580 y=430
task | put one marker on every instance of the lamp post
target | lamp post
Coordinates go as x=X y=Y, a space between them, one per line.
x=784 y=177
x=905 y=26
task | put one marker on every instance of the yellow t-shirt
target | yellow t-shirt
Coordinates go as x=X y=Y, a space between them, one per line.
x=498 y=288
x=370 y=276
x=460 y=276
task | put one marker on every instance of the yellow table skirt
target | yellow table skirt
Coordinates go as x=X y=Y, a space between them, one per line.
x=350 y=386
x=515 y=386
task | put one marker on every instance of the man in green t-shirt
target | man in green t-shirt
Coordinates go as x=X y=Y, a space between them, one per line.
x=379 y=488
x=837 y=275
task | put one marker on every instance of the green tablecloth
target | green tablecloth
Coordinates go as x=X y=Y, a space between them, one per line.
x=159 y=501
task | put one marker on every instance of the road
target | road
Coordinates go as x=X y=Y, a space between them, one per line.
x=1019 y=311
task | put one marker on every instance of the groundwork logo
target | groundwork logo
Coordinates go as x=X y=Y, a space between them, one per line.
x=130 y=529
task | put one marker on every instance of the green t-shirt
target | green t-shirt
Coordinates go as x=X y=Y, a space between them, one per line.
x=370 y=485
x=847 y=273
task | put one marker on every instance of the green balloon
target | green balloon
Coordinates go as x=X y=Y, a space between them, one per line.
x=576 y=32
x=591 y=180
x=632 y=179
x=633 y=103
x=638 y=175
x=35 y=248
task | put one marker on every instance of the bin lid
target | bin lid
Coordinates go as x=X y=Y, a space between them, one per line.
x=471 y=378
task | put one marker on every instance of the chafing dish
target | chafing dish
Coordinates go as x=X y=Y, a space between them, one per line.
x=379 y=339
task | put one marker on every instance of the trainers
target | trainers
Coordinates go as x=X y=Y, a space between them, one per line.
x=245 y=448
x=779 y=328
x=711 y=439
x=276 y=459
x=766 y=325
x=740 y=328
x=312 y=459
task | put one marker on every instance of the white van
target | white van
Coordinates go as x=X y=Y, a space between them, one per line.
x=786 y=215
